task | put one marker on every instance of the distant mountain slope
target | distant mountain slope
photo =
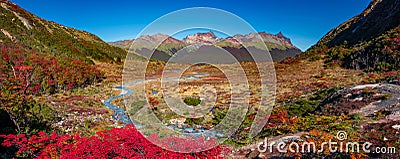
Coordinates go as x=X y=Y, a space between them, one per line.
x=121 y=43
x=124 y=44
x=21 y=27
x=279 y=45
x=370 y=41
x=278 y=41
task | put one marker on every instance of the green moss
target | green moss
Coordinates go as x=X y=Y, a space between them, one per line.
x=302 y=107
x=193 y=121
x=192 y=101
x=325 y=93
x=219 y=115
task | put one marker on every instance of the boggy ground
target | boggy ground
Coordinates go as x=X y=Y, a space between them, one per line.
x=302 y=91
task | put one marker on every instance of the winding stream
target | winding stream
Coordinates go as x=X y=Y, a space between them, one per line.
x=121 y=115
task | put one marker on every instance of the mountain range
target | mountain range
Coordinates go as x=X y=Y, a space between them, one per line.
x=368 y=41
x=280 y=47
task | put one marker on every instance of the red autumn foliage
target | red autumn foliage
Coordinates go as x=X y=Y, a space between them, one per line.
x=22 y=68
x=26 y=73
x=279 y=118
x=115 y=143
x=153 y=101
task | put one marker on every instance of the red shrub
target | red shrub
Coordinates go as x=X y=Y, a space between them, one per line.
x=115 y=143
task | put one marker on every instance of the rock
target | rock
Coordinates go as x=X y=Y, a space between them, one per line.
x=396 y=127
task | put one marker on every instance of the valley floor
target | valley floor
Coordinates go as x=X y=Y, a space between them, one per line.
x=307 y=105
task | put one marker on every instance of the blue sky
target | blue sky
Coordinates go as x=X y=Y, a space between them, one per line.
x=305 y=22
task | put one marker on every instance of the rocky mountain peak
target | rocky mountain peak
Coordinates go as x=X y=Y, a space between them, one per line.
x=206 y=38
x=267 y=37
x=284 y=39
x=279 y=45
